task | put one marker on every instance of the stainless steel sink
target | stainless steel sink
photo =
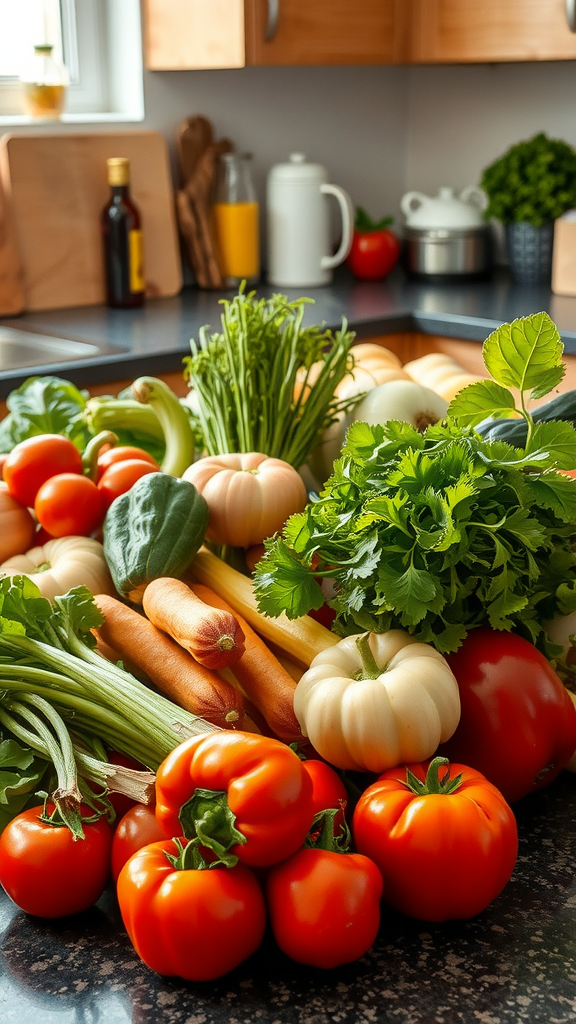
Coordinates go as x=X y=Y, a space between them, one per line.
x=21 y=348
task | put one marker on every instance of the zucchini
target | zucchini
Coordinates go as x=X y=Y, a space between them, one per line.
x=514 y=431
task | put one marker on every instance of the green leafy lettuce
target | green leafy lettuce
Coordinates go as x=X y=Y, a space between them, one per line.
x=442 y=531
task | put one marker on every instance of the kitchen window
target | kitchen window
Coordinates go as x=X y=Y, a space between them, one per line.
x=100 y=43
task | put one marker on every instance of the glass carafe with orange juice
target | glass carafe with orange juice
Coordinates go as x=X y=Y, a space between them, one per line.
x=235 y=214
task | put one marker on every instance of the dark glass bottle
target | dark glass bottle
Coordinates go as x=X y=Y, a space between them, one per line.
x=122 y=234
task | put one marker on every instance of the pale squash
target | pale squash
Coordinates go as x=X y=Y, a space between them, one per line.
x=377 y=700
x=441 y=373
x=249 y=495
x=17 y=526
x=61 y=564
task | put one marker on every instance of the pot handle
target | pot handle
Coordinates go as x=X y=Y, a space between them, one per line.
x=411 y=201
x=347 y=211
x=475 y=195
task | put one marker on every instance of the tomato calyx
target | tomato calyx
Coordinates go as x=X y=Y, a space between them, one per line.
x=207 y=818
x=433 y=783
x=189 y=856
x=325 y=835
x=66 y=812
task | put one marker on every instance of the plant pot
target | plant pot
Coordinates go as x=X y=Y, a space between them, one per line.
x=530 y=252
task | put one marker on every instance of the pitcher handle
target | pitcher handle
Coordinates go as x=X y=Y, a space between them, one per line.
x=347 y=211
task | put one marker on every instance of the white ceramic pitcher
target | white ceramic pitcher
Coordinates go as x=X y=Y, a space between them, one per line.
x=298 y=224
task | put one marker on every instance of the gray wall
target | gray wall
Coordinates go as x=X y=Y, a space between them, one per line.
x=379 y=130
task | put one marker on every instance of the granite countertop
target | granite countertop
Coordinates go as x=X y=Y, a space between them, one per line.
x=514 y=962
x=156 y=338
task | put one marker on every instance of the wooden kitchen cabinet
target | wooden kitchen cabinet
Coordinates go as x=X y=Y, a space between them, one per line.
x=326 y=32
x=485 y=31
x=194 y=34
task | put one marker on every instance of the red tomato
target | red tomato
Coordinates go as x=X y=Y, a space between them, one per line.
x=35 y=460
x=120 y=802
x=324 y=906
x=328 y=790
x=442 y=854
x=47 y=872
x=189 y=923
x=255 y=783
x=517 y=724
x=373 y=254
x=122 y=452
x=137 y=828
x=120 y=477
x=69 y=504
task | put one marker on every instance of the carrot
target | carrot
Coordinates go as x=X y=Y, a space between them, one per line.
x=169 y=667
x=302 y=639
x=261 y=677
x=212 y=636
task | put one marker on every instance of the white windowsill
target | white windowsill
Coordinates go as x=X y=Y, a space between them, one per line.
x=22 y=121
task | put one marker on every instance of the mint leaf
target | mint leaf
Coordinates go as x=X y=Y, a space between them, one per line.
x=482 y=399
x=526 y=354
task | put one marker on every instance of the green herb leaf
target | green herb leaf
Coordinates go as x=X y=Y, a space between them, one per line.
x=477 y=401
x=526 y=354
x=44 y=405
x=285 y=585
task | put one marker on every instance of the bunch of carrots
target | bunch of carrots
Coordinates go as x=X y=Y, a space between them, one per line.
x=201 y=642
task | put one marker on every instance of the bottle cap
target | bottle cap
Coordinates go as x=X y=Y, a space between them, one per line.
x=118 y=170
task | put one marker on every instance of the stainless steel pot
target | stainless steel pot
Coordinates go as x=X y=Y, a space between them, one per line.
x=448 y=253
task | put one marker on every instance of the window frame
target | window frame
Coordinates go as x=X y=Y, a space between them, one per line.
x=105 y=85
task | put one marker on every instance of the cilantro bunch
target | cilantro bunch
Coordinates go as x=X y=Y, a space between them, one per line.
x=440 y=532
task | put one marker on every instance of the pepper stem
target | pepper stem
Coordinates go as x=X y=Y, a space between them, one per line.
x=207 y=818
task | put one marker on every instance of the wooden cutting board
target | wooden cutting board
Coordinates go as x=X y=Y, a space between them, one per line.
x=56 y=186
x=11 y=282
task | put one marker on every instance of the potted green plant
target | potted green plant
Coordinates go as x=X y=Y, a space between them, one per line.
x=528 y=187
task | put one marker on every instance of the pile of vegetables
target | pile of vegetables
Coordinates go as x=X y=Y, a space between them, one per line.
x=167 y=716
x=443 y=531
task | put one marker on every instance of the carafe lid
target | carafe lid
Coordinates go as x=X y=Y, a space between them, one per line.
x=297 y=170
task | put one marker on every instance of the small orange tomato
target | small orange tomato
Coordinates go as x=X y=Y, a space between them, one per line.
x=69 y=503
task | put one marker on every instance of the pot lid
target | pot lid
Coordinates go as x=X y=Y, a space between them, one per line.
x=446 y=209
x=297 y=170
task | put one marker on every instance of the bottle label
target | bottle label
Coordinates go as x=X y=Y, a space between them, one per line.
x=136 y=252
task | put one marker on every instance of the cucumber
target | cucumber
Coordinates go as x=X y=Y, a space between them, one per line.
x=514 y=432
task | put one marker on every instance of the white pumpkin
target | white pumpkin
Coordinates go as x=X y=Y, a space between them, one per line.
x=377 y=700
x=63 y=563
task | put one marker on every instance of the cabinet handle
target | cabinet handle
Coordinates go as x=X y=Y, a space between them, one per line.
x=571 y=14
x=272 y=22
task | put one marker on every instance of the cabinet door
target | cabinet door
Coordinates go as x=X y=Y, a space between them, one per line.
x=469 y=31
x=190 y=34
x=301 y=32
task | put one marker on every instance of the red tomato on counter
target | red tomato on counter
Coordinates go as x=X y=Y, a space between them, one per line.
x=46 y=872
x=517 y=723
x=138 y=827
x=187 y=922
x=375 y=248
x=444 y=853
x=324 y=906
